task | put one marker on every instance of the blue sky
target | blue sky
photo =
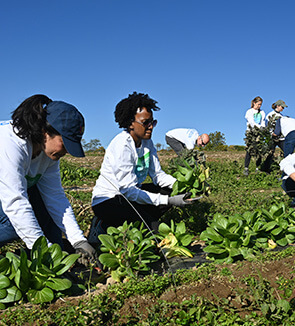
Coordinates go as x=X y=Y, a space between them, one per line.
x=202 y=60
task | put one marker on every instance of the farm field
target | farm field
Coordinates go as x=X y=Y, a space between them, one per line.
x=225 y=290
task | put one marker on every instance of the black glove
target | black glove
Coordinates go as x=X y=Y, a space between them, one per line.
x=179 y=200
x=87 y=253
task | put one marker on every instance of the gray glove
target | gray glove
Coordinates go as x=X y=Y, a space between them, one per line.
x=179 y=200
x=87 y=253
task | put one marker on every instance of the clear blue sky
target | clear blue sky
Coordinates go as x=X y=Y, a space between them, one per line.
x=202 y=60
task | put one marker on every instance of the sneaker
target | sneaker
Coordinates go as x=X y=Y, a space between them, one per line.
x=95 y=230
x=246 y=172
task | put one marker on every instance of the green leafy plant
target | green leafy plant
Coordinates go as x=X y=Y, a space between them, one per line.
x=230 y=238
x=37 y=280
x=174 y=239
x=127 y=250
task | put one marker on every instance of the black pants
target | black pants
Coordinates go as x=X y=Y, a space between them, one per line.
x=248 y=158
x=289 y=187
x=175 y=144
x=268 y=161
x=115 y=211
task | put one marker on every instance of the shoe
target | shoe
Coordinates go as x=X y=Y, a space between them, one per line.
x=95 y=230
x=246 y=172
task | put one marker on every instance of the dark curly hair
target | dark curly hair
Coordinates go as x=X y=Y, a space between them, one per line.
x=29 y=119
x=127 y=108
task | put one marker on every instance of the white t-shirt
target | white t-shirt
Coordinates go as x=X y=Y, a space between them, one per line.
x=186 y=136
x=125 y=167
x=18 y=171
x=255 y=118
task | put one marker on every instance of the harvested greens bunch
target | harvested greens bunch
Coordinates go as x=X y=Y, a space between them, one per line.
x=191 y=173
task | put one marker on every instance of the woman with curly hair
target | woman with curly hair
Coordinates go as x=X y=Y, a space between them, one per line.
x=32 y=200
x=129 y=159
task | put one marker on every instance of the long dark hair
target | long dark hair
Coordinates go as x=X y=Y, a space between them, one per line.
x=29 y=119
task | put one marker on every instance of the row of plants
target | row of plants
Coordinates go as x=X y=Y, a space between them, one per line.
x=253 y=301
x=240 y=236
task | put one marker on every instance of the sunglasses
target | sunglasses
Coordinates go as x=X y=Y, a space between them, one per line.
x=148 y=123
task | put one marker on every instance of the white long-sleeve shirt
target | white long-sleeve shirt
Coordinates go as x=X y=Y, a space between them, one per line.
x=186 y=136
x=287 y=165
x=284 y=126
x=125 y=167
x=18 y=171
x=249 y=116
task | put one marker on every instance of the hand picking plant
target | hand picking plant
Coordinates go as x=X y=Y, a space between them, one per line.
x=174 y=239
x=240 y=236
x=37 y=280
x=127 y=250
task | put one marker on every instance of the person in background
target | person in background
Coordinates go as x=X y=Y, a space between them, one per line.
x=180 y=138
x=255 y=117
x=278 y=108
x=285 y=126
x=32 y=200
x=129 y=159
x=287 y=166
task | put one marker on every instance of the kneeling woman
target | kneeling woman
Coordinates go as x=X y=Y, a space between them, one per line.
x=129 y=159
x=32 y=200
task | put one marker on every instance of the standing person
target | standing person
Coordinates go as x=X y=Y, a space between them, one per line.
x=129 y=159
x=180 y=138
x=255 y=117
x=278 y=108
x=286 y=127
x=32 y=200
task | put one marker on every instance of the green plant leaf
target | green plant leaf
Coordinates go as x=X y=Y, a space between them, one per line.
x=164 y=229
x=109 y=260
x=4 y=282
x=65 y=264
x=108 y=241
x=3 y=293
x=13 y=295
x=59 y=284
x=4 y=265
x=40 y=296
x=214 y=249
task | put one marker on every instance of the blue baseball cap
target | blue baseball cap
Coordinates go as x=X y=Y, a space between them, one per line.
x=69 y=122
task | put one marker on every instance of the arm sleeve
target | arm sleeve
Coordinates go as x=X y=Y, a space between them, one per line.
x=123 y=161
x=15 y=159
x=287 y=165
x=58 y=205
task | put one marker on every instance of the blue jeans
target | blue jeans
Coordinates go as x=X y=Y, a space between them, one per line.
x=49 y=228
x=289 y=143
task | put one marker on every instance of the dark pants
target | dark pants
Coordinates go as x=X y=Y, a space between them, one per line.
x=289 y=143
x=115 y=211
x=289 y=187
x=268 y=161
x=49 y=228
x=175 y=144
x=248 y=158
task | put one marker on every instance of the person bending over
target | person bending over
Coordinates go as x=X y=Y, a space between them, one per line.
x=180 y=138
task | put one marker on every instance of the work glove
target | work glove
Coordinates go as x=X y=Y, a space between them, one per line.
x=87 y=253
x=179 y=200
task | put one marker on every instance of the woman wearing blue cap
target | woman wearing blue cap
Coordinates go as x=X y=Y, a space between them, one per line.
x=32 y=200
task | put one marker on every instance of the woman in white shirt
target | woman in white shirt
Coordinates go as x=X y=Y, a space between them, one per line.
x=32 y=200
x=129 y=159
x=287 y=165
x=255 y=117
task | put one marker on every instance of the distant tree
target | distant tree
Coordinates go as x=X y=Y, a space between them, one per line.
x=217 y=141
x=93 y=145
x=158 y=146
